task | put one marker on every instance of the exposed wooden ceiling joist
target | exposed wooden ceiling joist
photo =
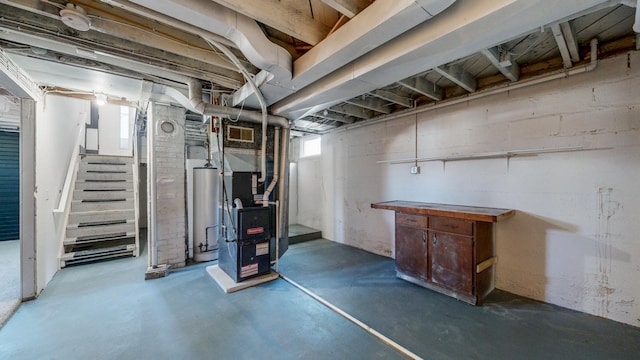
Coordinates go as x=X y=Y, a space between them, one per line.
x=571 y=39
x=330 y=115
x=283 y=16
x=348 y=8
x=370 y=103
x=511 y=71
x=352 y=110
x=562 y=45
x=392 y=97
x=424 y=87
x=159 y=42
x=457 y=75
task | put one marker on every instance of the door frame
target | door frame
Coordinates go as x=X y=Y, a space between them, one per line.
x=28 y=233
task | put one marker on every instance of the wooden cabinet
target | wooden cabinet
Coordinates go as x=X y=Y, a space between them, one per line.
x=411 y=253
x=446 y=248
x=451 y=261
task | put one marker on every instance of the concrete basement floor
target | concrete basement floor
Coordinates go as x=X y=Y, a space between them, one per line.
x=107 y=311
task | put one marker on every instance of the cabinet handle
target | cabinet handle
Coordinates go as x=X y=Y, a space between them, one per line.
x=435 y=239
x=424 y=236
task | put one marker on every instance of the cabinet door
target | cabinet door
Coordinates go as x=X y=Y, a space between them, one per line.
x=411 y=251
x=451 y=261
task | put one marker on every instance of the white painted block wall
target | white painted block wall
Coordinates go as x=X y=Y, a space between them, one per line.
x=575 y=238
x=168 y=175
x=57 y=127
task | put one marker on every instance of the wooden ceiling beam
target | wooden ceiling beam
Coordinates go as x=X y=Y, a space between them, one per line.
x=562 y=45
x=281 y=17
x=371 y=103
x=353 y=110
x=458 y=76
x=348 y=8
x=572 y=40
x=393 y=97
x=508 y=67
x=330 y=115
x=424 y=87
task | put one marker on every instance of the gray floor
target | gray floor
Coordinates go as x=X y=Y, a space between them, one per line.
x=300 y=233
x=107 y=311
x=9 y=278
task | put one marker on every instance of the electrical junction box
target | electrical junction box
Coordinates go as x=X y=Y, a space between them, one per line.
x=415 y=170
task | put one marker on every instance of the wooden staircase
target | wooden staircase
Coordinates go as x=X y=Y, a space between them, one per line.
x=102 y=222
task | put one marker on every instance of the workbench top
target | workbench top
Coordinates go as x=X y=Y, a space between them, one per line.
x=453 y=211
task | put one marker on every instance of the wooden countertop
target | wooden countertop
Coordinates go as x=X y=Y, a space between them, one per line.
x=453 y=211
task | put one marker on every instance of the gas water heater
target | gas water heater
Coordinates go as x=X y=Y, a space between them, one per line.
x=205 y=213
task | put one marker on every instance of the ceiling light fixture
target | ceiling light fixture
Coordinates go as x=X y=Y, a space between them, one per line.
x=101 y=99
x=75 y=17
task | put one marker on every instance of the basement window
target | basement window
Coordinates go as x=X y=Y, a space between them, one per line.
x=310 y=147
x=241 y=134
x=124 y=127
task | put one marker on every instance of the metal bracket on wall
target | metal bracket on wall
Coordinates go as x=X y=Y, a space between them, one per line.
x=491 y=155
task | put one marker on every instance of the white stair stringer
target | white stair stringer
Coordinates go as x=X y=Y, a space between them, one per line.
x=102 y=222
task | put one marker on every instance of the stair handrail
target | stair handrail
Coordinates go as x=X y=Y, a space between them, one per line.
x=136 y=187
x=71 y=173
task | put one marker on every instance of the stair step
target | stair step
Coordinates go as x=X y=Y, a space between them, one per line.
x=98 y=254
x=103 y=176
x=106 y=168
x=106 y=159
x=106 y=238
x=86 y=232
x=104 y=185
x=97 y=223
x=87 y=217
x=82 y=206
x=110 y=194
x=305 y=237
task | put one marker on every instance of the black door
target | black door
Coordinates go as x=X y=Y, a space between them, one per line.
x=9 y=186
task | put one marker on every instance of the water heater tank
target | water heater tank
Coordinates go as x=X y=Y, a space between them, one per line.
x=205 y=214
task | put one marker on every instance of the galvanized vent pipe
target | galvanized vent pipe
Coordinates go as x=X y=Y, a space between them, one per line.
x=195 y=98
